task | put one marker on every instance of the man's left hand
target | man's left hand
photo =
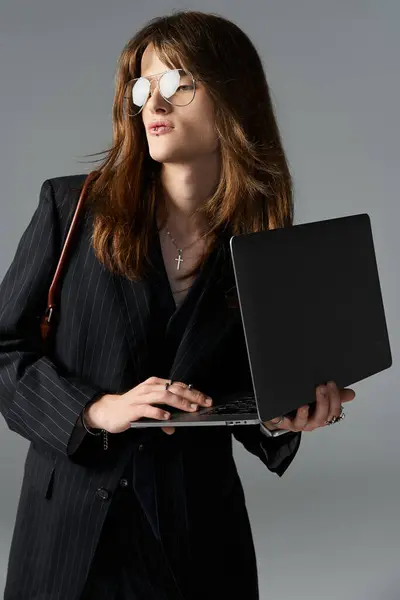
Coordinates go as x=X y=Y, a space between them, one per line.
x=328 y=405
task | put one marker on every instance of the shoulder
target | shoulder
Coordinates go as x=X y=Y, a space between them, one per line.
x=61 y=194
x=65 y=188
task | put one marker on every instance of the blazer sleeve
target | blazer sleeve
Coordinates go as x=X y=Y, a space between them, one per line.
x=275 y=452
x=37 y=400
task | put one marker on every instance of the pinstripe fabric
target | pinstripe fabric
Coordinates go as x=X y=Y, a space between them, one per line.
x=107 y=340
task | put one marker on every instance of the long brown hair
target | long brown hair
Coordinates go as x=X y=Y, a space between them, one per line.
x=255 y=188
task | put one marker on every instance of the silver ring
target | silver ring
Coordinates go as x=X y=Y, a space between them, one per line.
x=337 y=419
x=189 y=387
x=278 y=422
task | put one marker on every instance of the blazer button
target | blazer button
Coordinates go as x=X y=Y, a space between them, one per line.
x=141 y=447
x=123 y=482
x=103 y=493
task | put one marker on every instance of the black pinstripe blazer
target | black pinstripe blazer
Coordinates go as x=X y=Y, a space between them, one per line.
x=112 y=335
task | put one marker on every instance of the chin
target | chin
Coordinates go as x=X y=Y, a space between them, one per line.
x=166 y=156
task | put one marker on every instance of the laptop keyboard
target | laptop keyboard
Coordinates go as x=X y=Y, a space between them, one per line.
x=244 y=404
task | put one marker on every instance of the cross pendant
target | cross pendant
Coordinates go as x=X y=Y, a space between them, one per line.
x=179 y=260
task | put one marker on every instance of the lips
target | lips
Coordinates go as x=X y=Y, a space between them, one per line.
x=157 y=131
x=160 y=125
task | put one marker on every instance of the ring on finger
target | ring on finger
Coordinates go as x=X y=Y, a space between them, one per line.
x=335 y=419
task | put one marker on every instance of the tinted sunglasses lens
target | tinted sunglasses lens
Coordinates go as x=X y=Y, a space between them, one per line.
x=177 y=87
x=169 y=83
x=140 y=91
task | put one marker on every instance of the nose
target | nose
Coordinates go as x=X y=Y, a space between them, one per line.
x=156 y=102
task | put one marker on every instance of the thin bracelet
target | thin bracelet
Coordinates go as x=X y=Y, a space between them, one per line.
x=101 y=431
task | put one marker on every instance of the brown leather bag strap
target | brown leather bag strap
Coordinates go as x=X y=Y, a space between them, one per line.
x=54 y=288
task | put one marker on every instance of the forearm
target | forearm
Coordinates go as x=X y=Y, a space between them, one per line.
x=37 y=402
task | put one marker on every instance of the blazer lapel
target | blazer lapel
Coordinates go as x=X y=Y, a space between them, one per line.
x=215 y=310
x=134 y=301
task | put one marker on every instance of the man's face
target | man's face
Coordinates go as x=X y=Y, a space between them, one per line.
x=192 y=134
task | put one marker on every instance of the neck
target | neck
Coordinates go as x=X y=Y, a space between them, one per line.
x=186 y=187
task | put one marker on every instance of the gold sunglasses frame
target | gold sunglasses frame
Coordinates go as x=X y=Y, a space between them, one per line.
x=158 y=77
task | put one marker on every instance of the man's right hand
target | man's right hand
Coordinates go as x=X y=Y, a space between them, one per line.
x=115 y=412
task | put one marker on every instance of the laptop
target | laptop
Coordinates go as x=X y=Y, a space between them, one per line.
x=312 y=311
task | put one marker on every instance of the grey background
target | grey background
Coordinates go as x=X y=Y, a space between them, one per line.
x=330 y=527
